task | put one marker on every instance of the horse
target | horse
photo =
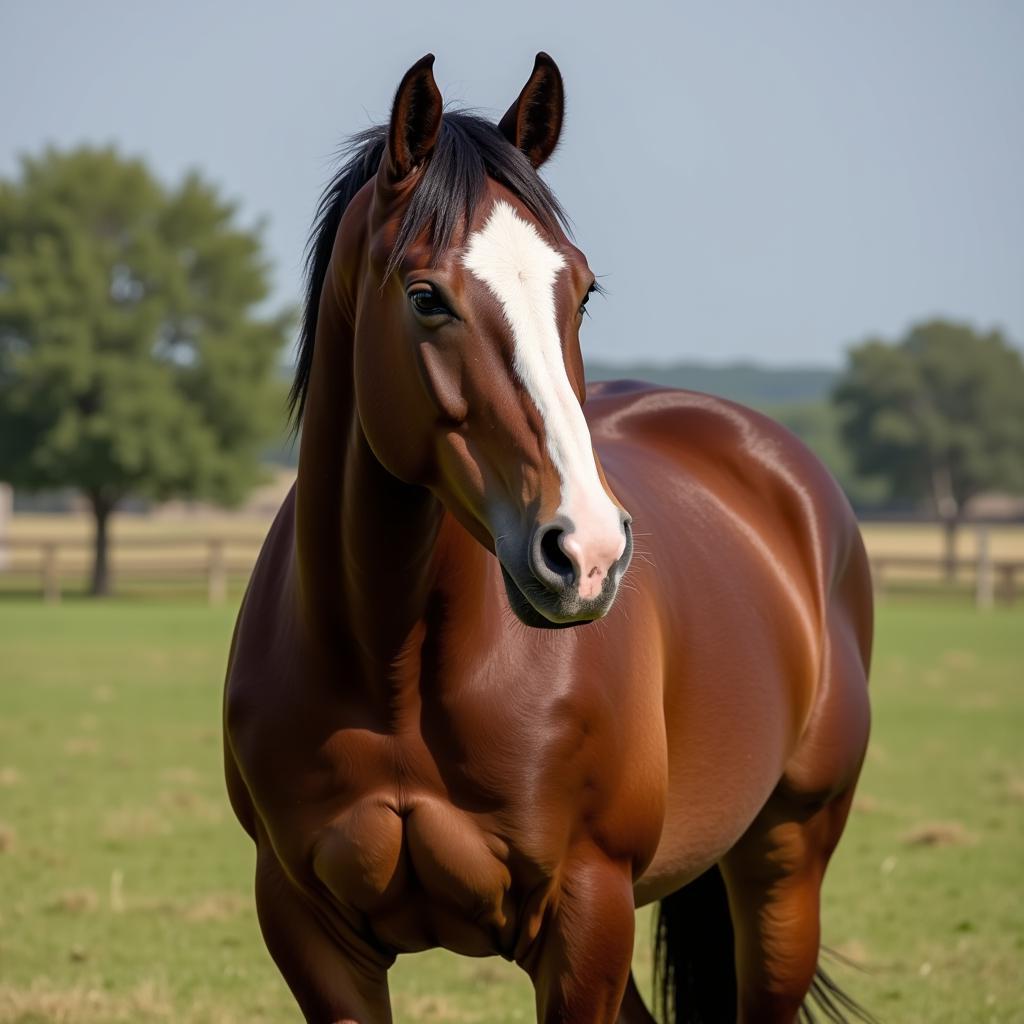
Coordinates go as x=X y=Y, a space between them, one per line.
x=520 y=655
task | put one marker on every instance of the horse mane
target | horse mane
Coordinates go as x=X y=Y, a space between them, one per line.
x=469 y=150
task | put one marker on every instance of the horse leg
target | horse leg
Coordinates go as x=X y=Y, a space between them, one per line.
x=335 y=978
x=633 y=1010
x=773 y=878
x=580 y=962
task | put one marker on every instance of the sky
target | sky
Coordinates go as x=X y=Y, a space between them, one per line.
x=752 y=181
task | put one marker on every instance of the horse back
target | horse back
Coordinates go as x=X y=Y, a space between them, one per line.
x=672 y=452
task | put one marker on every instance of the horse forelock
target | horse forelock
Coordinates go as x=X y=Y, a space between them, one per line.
x=452 y=185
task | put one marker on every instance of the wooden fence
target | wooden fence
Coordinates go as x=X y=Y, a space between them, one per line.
x=990 y=580
x=57 y=565
x=51 y=566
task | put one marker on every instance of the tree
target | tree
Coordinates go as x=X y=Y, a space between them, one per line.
x=816 y=423
x=938 y=416
x=133 y=357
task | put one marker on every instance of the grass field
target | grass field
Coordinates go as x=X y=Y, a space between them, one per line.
x=124 y=881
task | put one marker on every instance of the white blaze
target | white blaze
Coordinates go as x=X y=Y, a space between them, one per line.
x=520 y=268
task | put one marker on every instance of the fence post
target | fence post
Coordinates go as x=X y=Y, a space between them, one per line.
x=984 y=577
x=217 y=577
x=51 y=576
x=1008 y=584
x=6 y=511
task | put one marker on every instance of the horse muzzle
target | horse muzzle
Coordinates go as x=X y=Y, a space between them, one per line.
x=564 y=576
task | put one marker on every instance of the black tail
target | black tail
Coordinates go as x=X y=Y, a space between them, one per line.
x=695 y=963
x=834 y=1005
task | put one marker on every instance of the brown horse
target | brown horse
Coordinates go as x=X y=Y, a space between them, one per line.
x=453 y=718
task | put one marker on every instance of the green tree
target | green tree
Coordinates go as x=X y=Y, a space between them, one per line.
x=938 y=416
x=134 y=359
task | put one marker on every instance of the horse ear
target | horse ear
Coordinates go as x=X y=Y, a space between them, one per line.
x=534 y=122
x=415 y=118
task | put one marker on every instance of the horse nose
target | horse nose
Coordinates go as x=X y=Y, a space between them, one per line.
x=564 y=558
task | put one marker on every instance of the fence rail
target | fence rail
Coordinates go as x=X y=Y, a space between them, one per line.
x=992 y=580
x=214 y=561
x=217 y=560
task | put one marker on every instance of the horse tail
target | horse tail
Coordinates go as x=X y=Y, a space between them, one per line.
x=695 y=963
x=835 y=1005
x=694 y=959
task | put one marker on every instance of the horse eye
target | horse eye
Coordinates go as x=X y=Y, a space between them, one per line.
x=427 y=302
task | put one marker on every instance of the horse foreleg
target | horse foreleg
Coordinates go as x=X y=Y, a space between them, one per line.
x=336 y=977
x=580 y=962
x=773 y=878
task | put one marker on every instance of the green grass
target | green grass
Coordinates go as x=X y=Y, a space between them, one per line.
x=125 y=882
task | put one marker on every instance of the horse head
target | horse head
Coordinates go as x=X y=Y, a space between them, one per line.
x=467 y=298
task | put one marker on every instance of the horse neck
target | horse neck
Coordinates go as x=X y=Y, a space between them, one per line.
x=365 y=541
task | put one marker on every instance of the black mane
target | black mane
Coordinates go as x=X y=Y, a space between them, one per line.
x=469 y=150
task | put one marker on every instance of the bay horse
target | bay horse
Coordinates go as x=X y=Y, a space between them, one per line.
x=458 y=711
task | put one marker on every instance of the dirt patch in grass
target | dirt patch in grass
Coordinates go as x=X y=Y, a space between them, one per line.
x=940 y=833
x=216 y=906
x=979 y=701
x=193 y=804
x=81 y=746
x=134 y=823
x=148 y=1002
x=9 y=776
x=83 y=1005
x=853 y=954
x=181 y=775
x=864 y=803
x=877 y=753
x=75 y=901
x=959 y=660
x=7 y=838
x=428 y=1008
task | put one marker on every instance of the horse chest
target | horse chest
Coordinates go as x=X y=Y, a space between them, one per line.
x=423 y=873
x=447 y=828
x=428 y=848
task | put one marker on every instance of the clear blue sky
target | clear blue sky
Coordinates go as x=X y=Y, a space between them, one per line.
x=762 y=181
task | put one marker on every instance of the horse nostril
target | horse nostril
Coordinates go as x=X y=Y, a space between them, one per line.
x=555 y=559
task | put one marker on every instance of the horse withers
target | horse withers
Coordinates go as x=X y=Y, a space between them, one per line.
x=519 y=655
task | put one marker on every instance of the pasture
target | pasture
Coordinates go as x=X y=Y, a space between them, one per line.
x=125 y=882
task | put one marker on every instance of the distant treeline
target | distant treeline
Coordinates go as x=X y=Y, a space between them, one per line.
x=748 y=383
